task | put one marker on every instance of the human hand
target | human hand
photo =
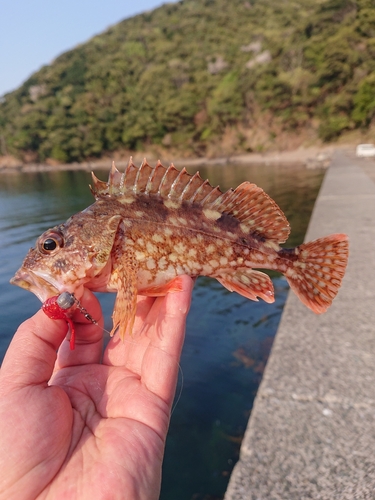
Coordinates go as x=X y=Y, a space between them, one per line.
x=75 y=427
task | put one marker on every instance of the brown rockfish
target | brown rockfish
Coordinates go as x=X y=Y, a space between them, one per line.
x=149 y=226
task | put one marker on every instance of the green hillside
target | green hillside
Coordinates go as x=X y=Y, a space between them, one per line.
x=202 y=76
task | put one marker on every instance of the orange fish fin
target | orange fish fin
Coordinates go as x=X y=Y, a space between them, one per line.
x=315 y=277
x=159 y=291
x=124 y=280
x=124 y=312
x=249 y=283
x=256 y=211
x=169 y=183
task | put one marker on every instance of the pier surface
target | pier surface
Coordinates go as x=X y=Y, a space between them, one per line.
x=311 y=434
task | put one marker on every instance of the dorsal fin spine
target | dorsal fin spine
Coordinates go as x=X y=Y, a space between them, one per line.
x=111 y=178
x=198 y=191
x=183 y=195
x=136 y=180
x=163 y=179
x=152 y=177
x=212 y=194
x=165 y=183
x=99 y=187
x=172 y=191
x=129 y=166
x=122 y=182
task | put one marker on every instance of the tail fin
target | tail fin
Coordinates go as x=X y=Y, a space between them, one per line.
x=316 y=275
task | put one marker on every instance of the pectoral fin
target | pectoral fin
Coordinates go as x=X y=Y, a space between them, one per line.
x=124 y=280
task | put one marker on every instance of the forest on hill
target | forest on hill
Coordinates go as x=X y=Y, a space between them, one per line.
x=202 y=77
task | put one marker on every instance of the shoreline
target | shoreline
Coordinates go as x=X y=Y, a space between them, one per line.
x=311 y=157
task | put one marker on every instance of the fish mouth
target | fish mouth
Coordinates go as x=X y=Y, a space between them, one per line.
x=35 y=283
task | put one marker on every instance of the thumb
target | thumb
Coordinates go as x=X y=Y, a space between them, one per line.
x=31 y=355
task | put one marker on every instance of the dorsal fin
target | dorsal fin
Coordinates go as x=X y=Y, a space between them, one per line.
x=249 y=204
x=256 y=211
x=166 y=182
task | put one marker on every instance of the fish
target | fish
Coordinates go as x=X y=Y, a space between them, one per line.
x=150 y=225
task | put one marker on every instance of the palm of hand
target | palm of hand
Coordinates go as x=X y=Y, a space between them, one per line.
x=97 y=430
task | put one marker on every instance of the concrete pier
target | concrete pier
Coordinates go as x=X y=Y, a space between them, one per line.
x=311 y=434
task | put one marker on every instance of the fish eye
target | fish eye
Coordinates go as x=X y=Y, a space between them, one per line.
x=50 y=242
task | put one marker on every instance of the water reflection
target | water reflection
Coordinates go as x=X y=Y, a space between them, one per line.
x=228 y=337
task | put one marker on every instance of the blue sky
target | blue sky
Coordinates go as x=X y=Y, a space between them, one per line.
x=34 y=32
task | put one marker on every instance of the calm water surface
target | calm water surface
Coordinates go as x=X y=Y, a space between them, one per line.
x=228 y=337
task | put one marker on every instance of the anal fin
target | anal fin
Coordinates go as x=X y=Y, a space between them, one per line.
x=250 y=284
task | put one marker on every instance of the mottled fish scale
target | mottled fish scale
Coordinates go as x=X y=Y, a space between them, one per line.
x=149 y=226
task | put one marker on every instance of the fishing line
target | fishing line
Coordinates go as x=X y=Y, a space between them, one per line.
x=178 y=397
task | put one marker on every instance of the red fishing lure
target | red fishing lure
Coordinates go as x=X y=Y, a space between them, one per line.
x=54 y=310
x=57 y=307
x=62 y=307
